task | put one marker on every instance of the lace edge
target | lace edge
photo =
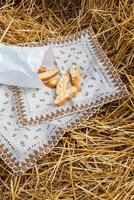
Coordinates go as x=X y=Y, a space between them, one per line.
x=19 y=168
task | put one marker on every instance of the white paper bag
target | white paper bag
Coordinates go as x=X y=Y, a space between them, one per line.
x=19 y=65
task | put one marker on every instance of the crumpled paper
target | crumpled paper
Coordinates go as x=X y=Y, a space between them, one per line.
x=17 y=67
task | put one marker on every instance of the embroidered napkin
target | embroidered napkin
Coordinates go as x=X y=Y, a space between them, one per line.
x=30 y=125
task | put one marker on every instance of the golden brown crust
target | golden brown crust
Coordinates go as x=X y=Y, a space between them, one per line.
x=42 y=69
x=63 y=84
x=75 y=75
x=67 y=85
x=64 y=97
x=64 y=90
x=48 y=74
x=52 y=83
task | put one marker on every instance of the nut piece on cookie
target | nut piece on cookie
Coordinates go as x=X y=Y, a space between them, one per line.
x=42 y=69
x=64 y=97
x=52 y=83
x=75 y=75
x=63 y=84
x=64 y=90
x=45 y=76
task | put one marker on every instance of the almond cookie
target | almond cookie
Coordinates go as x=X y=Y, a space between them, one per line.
x=63 y=84
x=64 y=90
x=45 y=76
x=75 y=75
x=42 y=69
x=64 y=97
x=52 y=83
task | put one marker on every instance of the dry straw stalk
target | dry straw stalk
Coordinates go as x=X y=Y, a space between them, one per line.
x=95 y=162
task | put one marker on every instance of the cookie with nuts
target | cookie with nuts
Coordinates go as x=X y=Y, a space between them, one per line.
x=75 y=75
x=52 y=83
x=67 y=86
x=64 y=90
x=48 y=74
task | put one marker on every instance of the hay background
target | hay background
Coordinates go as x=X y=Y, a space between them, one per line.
x=95 y=162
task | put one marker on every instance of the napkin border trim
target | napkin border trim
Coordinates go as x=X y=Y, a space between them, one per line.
x=16 y=91
x=20 y=168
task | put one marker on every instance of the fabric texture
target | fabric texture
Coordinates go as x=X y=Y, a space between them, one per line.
x=30 y=125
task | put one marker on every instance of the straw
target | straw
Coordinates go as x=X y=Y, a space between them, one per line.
x=95 y=162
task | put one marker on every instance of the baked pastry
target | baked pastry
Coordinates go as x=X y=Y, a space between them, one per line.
x=63 y=84
x=67 y=85
x=41 y=69
x=65 y=90
x=75 y=75
x=52 y=83
x=63 y=97
x=45 y=76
